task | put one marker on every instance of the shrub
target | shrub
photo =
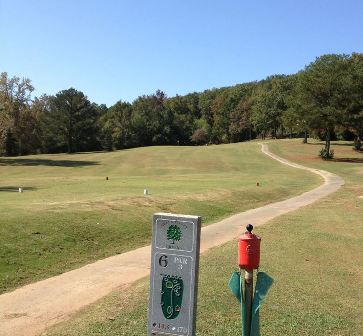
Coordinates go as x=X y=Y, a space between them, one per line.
x=200 y=137
x=346 y=135
x=325 y=154
x=357 y=144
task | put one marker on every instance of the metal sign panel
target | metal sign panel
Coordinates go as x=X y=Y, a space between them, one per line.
x=174 y=275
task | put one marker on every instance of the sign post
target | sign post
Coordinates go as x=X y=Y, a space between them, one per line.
x=174 y=275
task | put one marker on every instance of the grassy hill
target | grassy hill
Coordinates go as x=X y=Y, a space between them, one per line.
x=70 y=215
x=313 y=254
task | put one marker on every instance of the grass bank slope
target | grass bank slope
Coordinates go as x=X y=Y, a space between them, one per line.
x=70 y=215
x=314 y=256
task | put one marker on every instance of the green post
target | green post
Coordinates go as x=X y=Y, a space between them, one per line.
x=263 y=284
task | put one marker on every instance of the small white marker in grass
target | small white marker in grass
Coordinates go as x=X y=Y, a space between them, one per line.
x=146 y=192
x=20 y=190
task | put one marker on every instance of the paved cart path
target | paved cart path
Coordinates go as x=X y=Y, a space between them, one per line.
x=31 y=309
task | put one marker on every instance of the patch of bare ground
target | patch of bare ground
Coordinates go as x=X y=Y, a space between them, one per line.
x=117 y=204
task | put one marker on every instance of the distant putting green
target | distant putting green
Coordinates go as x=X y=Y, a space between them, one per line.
x=70 y=215
x=313 y=254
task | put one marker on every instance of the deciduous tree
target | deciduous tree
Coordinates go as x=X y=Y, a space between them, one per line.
x=75 y=118
x=16 y=122
x=322 y=88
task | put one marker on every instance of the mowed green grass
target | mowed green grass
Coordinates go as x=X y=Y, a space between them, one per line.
x=70 y=215
x=313 y=254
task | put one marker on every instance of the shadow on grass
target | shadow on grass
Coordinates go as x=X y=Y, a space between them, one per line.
x=315 y=143
x=44 y=162
x=343 y=144
x=348 y=160
x=15 y=189
x=332 y=144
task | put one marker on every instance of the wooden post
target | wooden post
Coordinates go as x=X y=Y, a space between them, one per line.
x=248 y=299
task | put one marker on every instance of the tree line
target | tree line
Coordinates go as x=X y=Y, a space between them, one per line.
x=324 y=100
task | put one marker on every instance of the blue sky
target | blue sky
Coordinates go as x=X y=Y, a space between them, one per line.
x=114 y=50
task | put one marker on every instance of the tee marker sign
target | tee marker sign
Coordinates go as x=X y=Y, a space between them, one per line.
x=174 y=275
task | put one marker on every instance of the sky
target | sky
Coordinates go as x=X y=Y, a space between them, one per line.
x=120 y=49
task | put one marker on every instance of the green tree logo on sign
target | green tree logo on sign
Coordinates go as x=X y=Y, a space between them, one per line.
x=174 y=233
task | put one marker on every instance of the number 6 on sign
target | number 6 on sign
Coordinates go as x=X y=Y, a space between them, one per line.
x=163 y=261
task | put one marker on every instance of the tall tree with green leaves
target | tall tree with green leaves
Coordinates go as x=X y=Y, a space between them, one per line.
x=75 y=118
x=270 y=103
x=151 y=120
x=240 y=127
x=295 y=118
x=16 y=121
x=206 y=99
x=183 y=120
x=221 y=121
x=116 y=128
x=354 y=116
x=322 y=89
x=51 y=140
